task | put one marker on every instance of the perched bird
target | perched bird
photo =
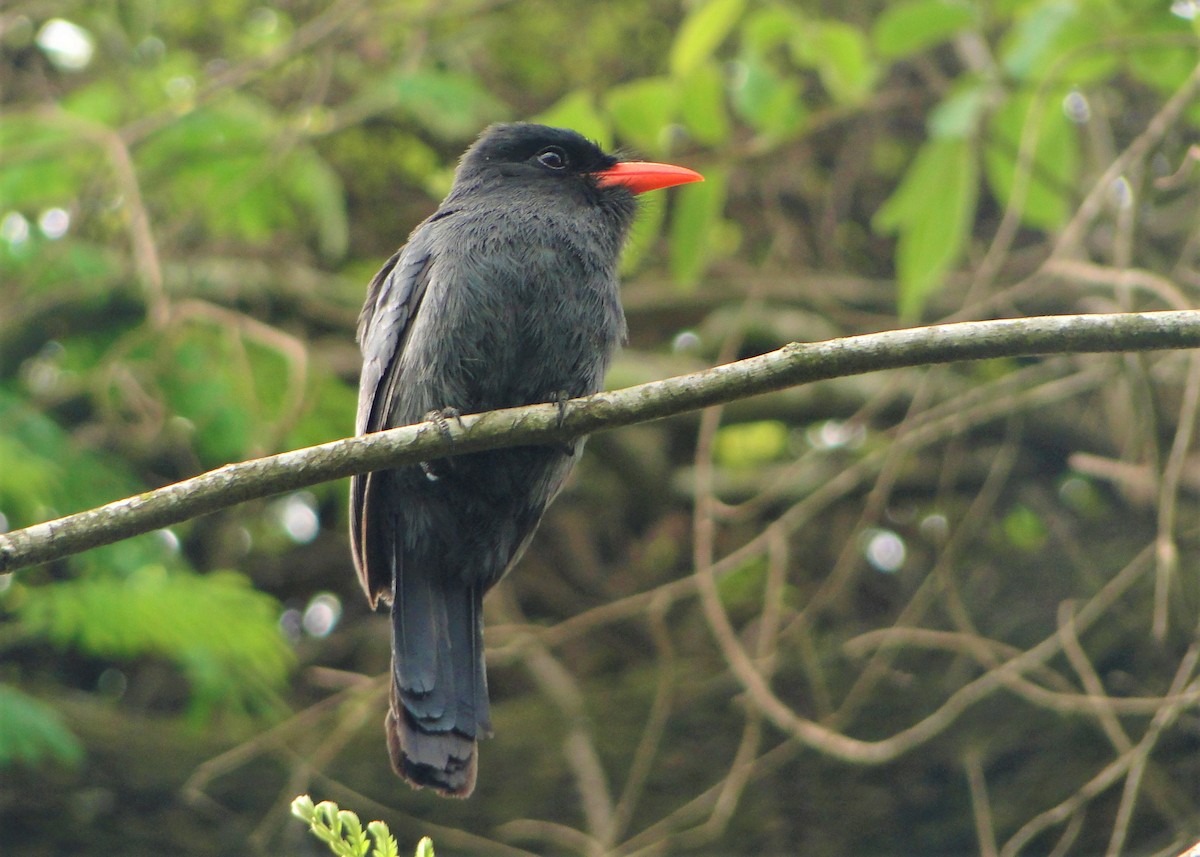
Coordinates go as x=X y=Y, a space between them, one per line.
x=507 y=295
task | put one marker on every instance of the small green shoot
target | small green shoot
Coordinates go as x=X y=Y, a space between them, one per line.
x=342 y=831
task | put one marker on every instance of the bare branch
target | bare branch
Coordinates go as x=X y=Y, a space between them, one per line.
x=792 y=365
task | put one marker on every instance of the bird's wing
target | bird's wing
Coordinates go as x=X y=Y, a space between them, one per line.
x=393 y=299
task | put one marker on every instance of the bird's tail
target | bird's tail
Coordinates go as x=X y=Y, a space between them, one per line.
x=439 y=704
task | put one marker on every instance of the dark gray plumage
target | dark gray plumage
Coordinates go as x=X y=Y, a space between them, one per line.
x=507 y=295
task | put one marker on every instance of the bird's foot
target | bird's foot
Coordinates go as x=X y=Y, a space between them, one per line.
x=566 y=447
x=441 y=419
x=435 y=470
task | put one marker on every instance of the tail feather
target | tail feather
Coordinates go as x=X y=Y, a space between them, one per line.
x=420 y=637
x=479 y=710
x=439 y=688
x=444 y=761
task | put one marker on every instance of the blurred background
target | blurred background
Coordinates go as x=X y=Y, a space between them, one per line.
x=948 y=610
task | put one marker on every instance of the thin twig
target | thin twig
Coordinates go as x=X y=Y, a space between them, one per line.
x=656 y=723
x=981 y=804
x=1166 y=548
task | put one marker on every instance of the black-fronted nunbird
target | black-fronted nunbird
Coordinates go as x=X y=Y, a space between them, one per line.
x=507 y=295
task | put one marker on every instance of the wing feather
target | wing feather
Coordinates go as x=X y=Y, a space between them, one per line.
x=393 y=299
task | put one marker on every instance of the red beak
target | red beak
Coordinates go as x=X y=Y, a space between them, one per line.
x=641 y=176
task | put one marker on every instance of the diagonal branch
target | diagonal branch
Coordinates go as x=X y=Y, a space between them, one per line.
x=792 y=365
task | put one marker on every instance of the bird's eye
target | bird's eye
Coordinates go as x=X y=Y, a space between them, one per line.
x=552 y=157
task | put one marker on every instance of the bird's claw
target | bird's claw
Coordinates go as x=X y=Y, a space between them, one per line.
x=561 y=399
x=441 y=419
x=435 y=470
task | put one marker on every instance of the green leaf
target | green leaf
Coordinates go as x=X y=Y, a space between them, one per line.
x=577 y=110
x=1065 y=40
x=1053 y=173
x=702 y=31
x=43 y=163
x=353 y=833
x=329 y=412
x=29 y=479
x=1032 y=40
x=959 y=113
x=102 y=102
x=77 y=269
x=451 y=105
x=905 y=29
x=303 y=808
x=647 y=225
x=751 y=444
x=201 y=382
x=932 y=212
x=702 y=105
x=234 y=391
x=55 y=475
x=385 y=843
x=1082 y=495
x=771 y=104
x=769 y=27
x=1024 y=529
x=31 y=732
x=840 y=55
x=425 y=847
x=643 y=110
x=743 y=587
x=1164 y=67
x=314 y=182
x=694 y=223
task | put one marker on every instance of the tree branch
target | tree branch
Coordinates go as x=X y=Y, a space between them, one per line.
x=794 y=364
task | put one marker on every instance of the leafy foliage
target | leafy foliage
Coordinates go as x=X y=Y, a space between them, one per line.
x=220 y=169
x=32 y=732
x=222 y=633
x=188 y=218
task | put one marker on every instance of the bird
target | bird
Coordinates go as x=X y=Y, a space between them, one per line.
x=506 y=295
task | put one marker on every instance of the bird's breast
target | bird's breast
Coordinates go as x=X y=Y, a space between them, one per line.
x=516 y=324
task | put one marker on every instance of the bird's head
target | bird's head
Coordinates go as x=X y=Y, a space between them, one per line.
x=531 y=154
